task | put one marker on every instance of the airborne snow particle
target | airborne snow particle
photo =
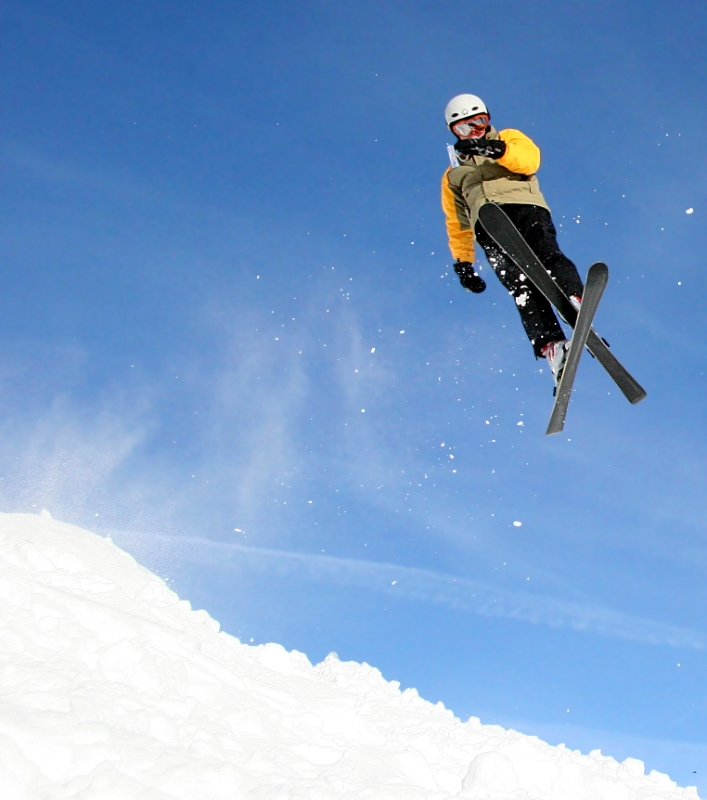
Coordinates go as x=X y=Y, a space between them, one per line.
x=373 y=349
x=517 y=524
x=689 y=210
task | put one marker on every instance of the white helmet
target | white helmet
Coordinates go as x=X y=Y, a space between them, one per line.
x=464 y=105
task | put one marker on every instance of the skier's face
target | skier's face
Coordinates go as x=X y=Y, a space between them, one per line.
x=471 y=127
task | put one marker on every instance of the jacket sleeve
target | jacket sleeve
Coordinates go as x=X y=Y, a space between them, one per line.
x=522 y=154
x=461 y=236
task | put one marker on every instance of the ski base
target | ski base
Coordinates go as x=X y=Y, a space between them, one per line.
x=502 y=230
x=597 y=278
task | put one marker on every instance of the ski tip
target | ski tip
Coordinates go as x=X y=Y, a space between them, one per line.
x=599 y=266
x=599 y=273
x=490 y=208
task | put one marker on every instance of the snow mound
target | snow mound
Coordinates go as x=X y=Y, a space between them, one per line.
x=113 y=688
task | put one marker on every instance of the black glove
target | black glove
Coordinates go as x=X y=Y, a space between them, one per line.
x=488 y=148
x=468 y=278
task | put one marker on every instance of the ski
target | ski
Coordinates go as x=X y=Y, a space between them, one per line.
x=502 y=230
x=594 y=286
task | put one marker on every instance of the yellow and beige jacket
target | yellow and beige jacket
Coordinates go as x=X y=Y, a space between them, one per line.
x=477 y=180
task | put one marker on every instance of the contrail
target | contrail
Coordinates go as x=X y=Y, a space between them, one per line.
x=411 y=583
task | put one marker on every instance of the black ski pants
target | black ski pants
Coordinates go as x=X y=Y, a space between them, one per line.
x=536 y=226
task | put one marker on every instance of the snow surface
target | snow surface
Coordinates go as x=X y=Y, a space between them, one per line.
x=114 y=689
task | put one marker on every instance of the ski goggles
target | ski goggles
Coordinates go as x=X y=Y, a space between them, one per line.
x=471 y=125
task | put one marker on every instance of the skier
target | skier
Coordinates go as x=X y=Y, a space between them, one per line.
x=499 y=167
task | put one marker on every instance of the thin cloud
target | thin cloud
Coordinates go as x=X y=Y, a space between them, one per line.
x=410 y=583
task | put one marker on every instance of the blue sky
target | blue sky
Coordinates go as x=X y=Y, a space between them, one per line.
x=230 y=337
